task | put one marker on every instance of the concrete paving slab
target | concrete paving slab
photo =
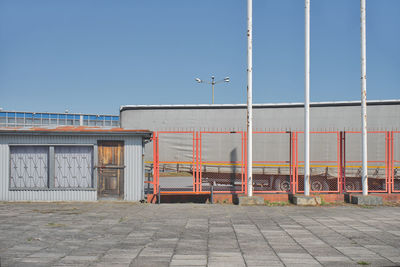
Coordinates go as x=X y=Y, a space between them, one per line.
x=196 y=235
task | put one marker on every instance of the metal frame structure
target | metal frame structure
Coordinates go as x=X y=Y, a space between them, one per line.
x=241 y=163
x=394 y=163
x=293 y=163
x=372 y=164
x=320 y=163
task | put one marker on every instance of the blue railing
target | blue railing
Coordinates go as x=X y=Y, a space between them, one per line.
x=26 y=119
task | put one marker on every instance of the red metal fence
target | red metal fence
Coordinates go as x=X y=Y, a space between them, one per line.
x=325 y=175
x=196 y=162
x=272 y=172
x=378 y=169
x=394 y=162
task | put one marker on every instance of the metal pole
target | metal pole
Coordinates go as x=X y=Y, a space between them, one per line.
x=212 y=84
x=364 y=98
x=249 y=98
x=307 y=101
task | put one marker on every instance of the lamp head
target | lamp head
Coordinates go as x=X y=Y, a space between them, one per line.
x=197 y=80
x=226 y=79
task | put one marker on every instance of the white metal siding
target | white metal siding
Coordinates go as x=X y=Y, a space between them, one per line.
x=133 y=177
x=133 y=190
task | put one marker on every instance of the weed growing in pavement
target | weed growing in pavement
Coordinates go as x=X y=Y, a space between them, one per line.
x=366 y=207
x=363 y=263
x=52 y=224
x=275 y=204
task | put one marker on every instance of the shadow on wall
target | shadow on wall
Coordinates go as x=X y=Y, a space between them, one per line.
x=233 y=159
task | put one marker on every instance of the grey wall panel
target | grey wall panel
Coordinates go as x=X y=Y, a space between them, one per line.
x=134 y=182
x=380 y=117
x=343 y=116
x=133 y=172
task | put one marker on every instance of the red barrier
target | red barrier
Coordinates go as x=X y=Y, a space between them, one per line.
x=272 y=162
x=220 y=165
x=176 y=168
x=325 y=162
x=394 y=164
x=192 y=162
x=378 y=169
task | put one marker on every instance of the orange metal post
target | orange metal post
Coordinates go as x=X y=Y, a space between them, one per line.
x=196 y=163
x=297 y=162
x=291 y=163
x=200 y=177
x=245 y=160
x=392 y=160
x=158 y=162
x=387 y=151
x=154 y=163
x=338 y=162
x=242 y=163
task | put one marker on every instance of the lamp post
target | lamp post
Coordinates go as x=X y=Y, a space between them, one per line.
x=213 y=82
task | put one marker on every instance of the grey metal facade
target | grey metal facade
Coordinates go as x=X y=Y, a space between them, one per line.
x=327 y=116
x=133 y=174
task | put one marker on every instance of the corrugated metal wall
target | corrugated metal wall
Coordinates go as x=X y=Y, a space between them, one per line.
x=221 y=118
x=133 y=172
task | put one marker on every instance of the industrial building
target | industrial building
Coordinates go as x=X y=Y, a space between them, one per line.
x=208 y=142
x=57 y=161
x=195 y=149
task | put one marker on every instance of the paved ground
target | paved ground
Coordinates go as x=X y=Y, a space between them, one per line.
x=121 y=234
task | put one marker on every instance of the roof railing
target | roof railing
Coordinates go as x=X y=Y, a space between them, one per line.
x=27 y=119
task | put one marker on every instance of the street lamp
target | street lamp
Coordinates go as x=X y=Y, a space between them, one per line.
x=213 y=82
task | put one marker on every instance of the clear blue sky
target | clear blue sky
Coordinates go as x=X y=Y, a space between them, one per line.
x=93 y=56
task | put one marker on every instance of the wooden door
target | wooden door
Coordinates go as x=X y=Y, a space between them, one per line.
x=111 y=169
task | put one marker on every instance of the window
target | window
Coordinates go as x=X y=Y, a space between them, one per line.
x=51 y=167
x=29 y=167
x=73 y=167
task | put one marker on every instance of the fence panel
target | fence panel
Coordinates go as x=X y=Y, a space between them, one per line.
x=272 y=162
x=176 y=161
x=193 y=162
x=150 y=166
x=324 y=162
x=377 y=162
x=221 y=162
x=395 y=161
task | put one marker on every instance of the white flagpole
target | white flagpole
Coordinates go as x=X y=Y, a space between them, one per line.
x=249 y=98
x=307 y=101
x=364 y=98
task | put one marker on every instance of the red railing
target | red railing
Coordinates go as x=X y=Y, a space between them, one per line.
x=272 y=172
x=378 y=168
x=325 y=168
x=394 y=161
x=201 y=161
x=220 y=165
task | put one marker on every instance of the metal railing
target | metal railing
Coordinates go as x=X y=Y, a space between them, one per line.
x=210 y=159
x=29 y=119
